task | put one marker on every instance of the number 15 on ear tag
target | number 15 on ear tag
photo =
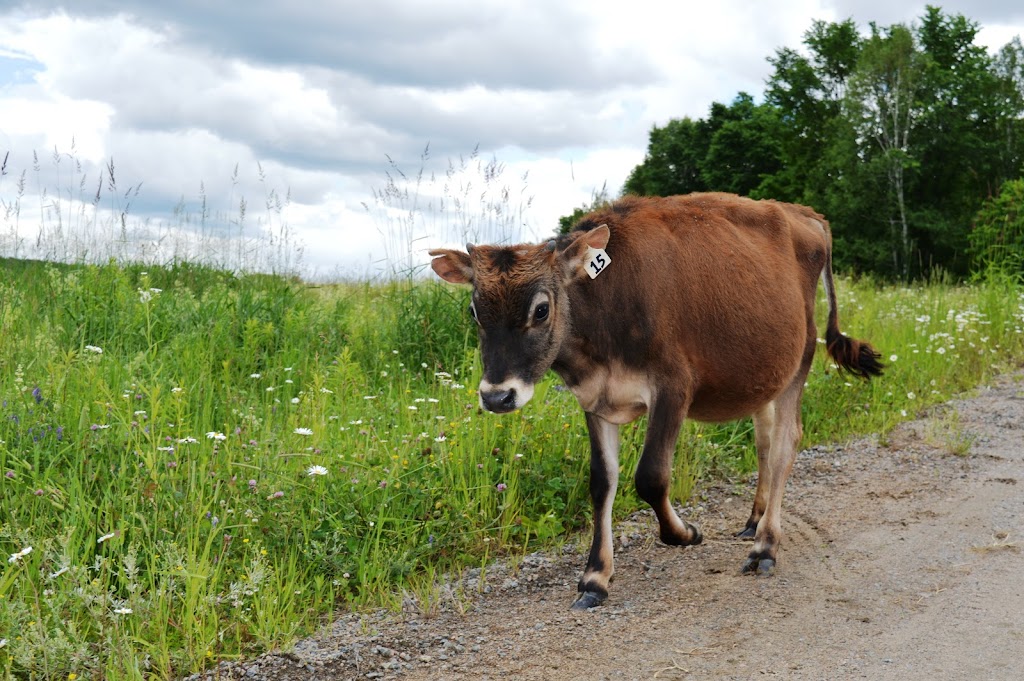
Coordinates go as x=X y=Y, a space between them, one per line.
x=597 y=260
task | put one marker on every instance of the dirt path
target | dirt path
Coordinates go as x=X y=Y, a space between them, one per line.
x=899 y=562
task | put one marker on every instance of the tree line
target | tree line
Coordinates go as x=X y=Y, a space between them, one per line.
x=910 y=139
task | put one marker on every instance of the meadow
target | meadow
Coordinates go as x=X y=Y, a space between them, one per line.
x=200 y=465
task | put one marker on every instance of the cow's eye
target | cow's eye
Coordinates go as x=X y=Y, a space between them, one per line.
x=540 y=313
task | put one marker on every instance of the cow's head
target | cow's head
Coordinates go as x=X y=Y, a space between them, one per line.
x=521 y=308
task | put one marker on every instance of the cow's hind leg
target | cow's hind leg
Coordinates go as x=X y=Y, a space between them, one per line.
x=654 y=472
x=763 y=421
x=604 y=477
x=773 y=473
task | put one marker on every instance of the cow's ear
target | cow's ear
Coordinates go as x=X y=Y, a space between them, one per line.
x=579 y=252
x=452 y=266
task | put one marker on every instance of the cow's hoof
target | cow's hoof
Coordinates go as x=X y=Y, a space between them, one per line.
x=694 y=537
x=588 y=600
x=747 y=532
x=761 y=566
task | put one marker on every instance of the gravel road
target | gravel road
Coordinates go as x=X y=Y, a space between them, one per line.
x=901 y=561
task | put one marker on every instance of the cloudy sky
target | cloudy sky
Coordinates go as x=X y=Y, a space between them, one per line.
x=321 y=96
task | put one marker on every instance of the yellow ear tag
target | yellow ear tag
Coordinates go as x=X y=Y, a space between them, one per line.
x=597 y=260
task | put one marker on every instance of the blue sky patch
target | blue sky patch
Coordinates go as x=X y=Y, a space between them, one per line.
x=14 y=71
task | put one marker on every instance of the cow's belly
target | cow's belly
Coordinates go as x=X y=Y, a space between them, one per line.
x=616 y=394
x=741 y=392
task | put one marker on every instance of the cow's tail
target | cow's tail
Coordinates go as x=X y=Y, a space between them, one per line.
x=851 y=355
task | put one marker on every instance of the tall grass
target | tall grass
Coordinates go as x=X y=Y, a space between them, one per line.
x=472 y=200
x=61 y=210
x=206 y=465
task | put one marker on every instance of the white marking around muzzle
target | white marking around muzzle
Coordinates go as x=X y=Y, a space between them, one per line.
x=524 y=391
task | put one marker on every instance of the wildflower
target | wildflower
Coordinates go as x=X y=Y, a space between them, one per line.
x=440 y=438
x=122 y=611
x=326 y=391
x=501 y=487
x=187 y=441
x=58 y=573
x=145 y=296
x=176 y=389
x=303 y=431
x=369 y=397
x=276 y=495
x=313 y=471
x=3 y=642
x=413 y=407
x=255 y=375
x=893 y=358
x=106 y=537
x=37 y=394
x=165 y=449
x=213 y=435
x=93 y=349
x=295 y=400
x=15 y=557
x=270 y=389
x=911 y=395
x=941 y=350
x=252 y=485
x=9 y=475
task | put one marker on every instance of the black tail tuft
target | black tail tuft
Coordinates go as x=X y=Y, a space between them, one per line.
x=853 y=356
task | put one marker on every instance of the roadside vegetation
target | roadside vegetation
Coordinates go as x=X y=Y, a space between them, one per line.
x=199 y=465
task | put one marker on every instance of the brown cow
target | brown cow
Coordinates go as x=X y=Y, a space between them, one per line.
x=698 y=306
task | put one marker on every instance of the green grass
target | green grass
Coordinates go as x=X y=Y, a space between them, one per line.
x=164 y=483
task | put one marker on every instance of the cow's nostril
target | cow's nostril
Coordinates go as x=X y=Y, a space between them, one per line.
x=499 y=401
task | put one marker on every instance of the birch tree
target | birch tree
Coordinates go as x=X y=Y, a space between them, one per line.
x=882 y=100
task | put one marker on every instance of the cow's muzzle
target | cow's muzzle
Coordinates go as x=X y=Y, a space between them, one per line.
x=504 y=397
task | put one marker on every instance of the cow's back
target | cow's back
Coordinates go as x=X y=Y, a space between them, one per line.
x=711 y=289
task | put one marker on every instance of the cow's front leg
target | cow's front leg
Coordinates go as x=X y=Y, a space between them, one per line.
x=604 y=478
x=654 y=472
